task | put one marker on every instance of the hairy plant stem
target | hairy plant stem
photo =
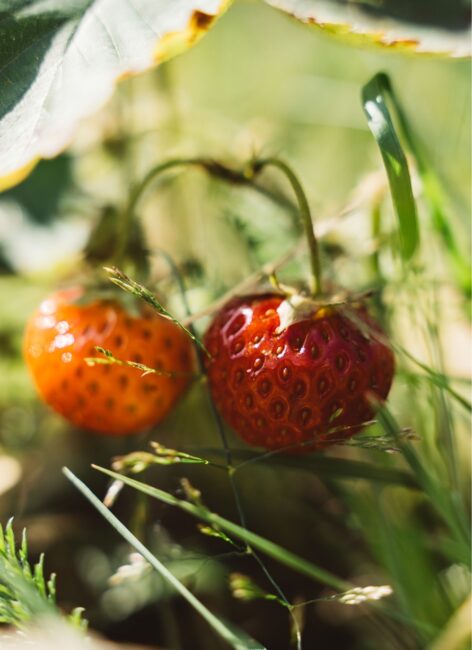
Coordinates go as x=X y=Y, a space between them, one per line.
x=245 y=177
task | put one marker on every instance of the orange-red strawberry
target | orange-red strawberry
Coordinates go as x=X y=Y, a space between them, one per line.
x=282 y=384
x=109 y=399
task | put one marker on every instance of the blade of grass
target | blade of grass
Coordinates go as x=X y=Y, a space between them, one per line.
x=237 y=640
x=435 y=200
x=131 y=286
x=456 y=634
x=324 y=466
x=398 y=544
x=445 y=502
x=109 y=359
x=432 y=188
x=381 y=125
x=260 y=543
x=438 y=379
x=403 y=547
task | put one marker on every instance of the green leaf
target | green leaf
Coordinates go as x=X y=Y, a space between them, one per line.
x=383 y=130
x=55 y=175
x=252 y=539
x=59 y=62
x=412 y=26
x=237 y=639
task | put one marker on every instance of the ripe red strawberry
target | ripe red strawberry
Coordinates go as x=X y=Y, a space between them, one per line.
x=114 y=400
x=309 y=381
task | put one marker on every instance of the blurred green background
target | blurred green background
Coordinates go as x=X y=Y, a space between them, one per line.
x=258 y=83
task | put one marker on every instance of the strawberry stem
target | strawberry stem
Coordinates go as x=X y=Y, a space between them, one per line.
x=128 y=214
x=305 y=214
x=245 y=177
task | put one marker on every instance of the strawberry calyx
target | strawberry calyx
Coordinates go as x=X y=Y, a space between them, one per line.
x=297 y=306
x=293 y=310
x=107 y=244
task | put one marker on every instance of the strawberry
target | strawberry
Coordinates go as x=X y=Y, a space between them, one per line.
x=281 y=382
x=110 y=399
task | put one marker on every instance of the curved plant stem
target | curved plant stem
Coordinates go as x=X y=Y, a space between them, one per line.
x=305 y=214
x=126 y=219
x=212 y=167
x=246 y=177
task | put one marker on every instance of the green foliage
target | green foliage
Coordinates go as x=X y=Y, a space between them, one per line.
x=49 y=85
x=235 y=638
x=42 y=205
x=265 y=546
x=408 y=26
x=381 y=125
x=433 y=189
x=101 y=245
x=445 y=501
x=438 y=379
x=25 y=592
